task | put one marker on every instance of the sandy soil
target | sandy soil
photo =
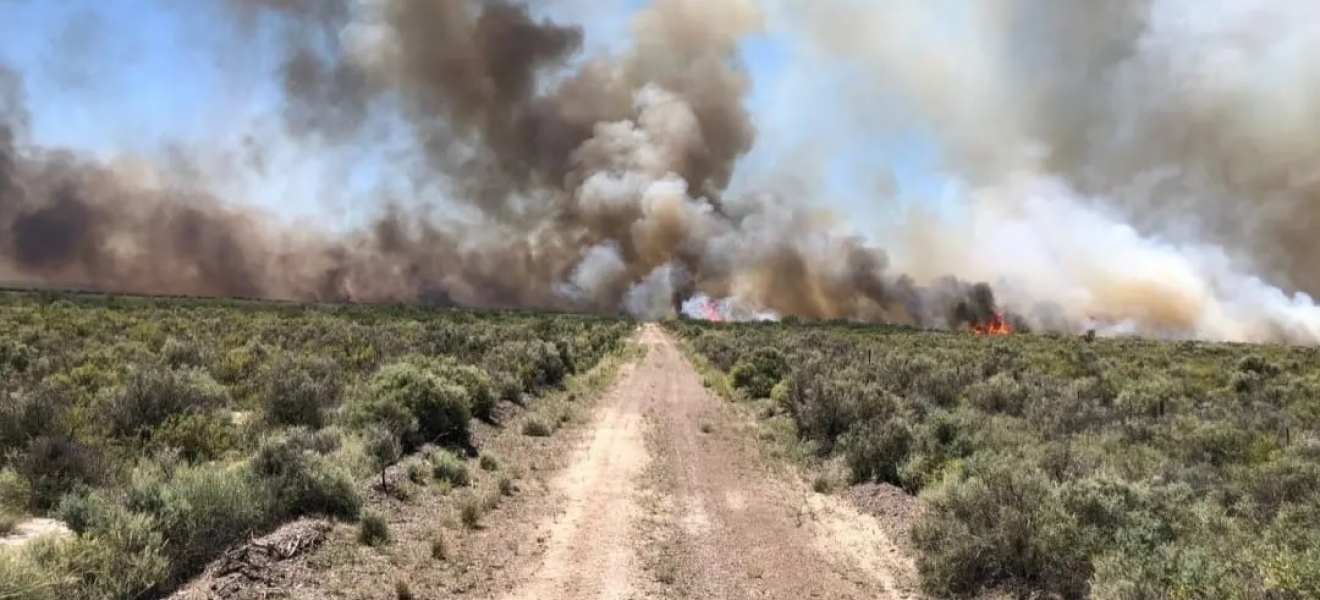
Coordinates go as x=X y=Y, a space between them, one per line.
x=32 y=529
x=659 y=492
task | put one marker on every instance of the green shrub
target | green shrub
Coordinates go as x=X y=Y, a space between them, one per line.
x=298 y=392
x=373 y=530
x=240 y=365
x=197 y=436
x=9 y=520
x=1111 y=515
x=85 y=509
x=443 y=415
x=321 y=441
x=302 y=482
x=352 y=458
x=416 y=405
x=999 y=526
x=757 y=375
x=876 y=451
x=507 y=386
x=481 y=393
x=824 y=409
x=383 y=448
x=15 y=357
x=200 y=510
x=533 y=364
x=15 y=492
x=489 y=463
x=1174 y=571
x=717 y=349
x=122 y=556
x=152 y=395
x=176 y=352
x=132 y=418
x=25 y=416
x=1289 y=553
x=388 y=411
x=998 y=394
x=942 y=438
x=55 y=465
x=1216 y=444
x=1268 y=488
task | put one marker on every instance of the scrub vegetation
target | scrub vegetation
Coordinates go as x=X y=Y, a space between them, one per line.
x=163 y=431
x=1057 y=466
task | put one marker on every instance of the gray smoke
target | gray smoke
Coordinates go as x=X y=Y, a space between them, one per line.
x=595 y=183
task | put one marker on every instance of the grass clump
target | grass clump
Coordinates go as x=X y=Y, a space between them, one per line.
x=470 y=511
x=535 y=427
x=22 y=577
x=449 y=468
x=439 y=548
x=402 y=591
x=418 y=471
x=373 y=530
x=9 y=521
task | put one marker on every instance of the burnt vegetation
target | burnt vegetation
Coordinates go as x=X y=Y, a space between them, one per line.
x=1057 y=466
x=165 y=431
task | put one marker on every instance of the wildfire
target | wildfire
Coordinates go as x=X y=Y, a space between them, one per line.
x=996 y=326
x=703 y=307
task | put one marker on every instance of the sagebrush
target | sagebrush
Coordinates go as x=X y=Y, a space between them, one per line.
x=1067 y=467
x=163 y=430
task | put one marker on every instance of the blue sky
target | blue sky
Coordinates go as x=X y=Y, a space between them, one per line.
x=108 y=76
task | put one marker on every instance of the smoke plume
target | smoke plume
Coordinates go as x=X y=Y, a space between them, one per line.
x=1141 y=166
x=1146 y=163
x=597 y=183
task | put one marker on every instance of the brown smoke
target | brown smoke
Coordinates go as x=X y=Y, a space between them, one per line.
x=599 y=185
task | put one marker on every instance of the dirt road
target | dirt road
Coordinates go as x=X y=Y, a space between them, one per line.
x=666 y=497
x=659 y=491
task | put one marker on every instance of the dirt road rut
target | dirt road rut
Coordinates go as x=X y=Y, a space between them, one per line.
x=667 y=497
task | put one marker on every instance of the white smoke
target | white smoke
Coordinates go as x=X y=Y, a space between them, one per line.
x=652 y=297
x=1044 y=241
x=1131 y=162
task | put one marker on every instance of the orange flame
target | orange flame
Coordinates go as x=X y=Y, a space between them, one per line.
x=996 y=326
x=709 y=312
